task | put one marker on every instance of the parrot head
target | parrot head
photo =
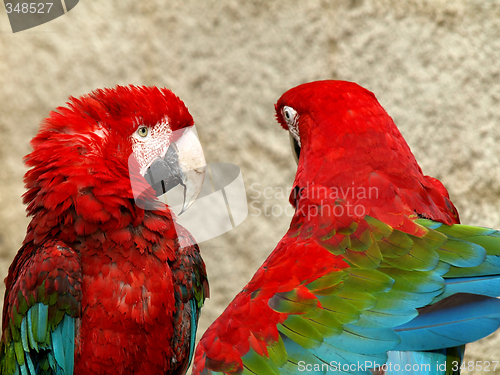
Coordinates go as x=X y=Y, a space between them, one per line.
x=340 y=133
x=331 y=115
x=343 y=138
x=139 y=137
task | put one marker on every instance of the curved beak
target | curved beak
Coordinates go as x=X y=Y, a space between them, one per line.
x=184 y=163
x=295 y=148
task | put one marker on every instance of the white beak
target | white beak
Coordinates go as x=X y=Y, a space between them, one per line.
x=184 y=164
x=192 y=164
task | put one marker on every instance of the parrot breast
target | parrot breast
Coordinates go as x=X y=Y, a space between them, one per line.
x=127 y=309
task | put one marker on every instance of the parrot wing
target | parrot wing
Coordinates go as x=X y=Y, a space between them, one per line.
x=41 y=311
x=191 y=289
x=350 y=299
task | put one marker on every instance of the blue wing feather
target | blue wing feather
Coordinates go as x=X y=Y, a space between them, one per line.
x=31 y=337
x=60 y=351
x=483 y=285
x=451 y=326
x=194 y=328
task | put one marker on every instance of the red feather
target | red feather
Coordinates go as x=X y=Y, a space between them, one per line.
x=353 y=163
x=79 y=194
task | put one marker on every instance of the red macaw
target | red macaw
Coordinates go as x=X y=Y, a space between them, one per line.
x=375 y=275
x=104 y=282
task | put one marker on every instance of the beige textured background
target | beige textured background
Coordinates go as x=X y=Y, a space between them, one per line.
x=434 y=65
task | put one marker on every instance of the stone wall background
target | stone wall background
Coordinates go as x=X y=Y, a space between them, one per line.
x=433 y=64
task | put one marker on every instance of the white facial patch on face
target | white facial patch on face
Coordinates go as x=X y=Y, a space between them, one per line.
x=150 y=142
x=291 y=118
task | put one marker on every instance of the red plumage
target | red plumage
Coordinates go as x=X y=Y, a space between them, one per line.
x=352 y=157
x=130 y=318
x=382 y=160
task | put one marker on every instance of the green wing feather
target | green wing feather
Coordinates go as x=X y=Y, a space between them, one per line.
x=42 y=304
x=350 y=315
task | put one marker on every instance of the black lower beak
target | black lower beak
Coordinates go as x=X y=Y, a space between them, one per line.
x=165 y=174
x=295 y=148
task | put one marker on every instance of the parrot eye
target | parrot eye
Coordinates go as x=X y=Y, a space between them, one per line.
x=143 y=131
x=292 y=119
x=290 y=115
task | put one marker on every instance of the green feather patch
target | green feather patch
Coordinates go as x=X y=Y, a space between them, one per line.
x=327 y=323
x=414 y=281
x=490 y=266
x=337 y=244
x=293 y=302
x=421 y=257
x=461 y=230
x=344 y=311
x=371 y=281
x=378 y=228
x=257 y=364
x=461 y=253
x=326 y=281
x=360 y=300
x=301 y=331
x=361 y=242
x=347 y=231
x=370 y=258
x=277 y=352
